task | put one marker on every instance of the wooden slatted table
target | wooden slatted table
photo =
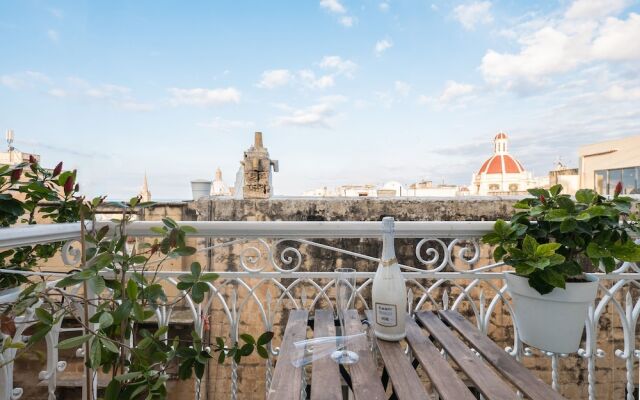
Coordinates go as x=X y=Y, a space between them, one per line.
x=495 y=374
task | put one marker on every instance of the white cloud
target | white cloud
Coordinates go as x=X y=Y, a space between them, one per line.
x=402 y=88
x=107 y=91
x=382 y=46
x=593 y=9
x=275 y=78
x=309 y=79
x=619 y=39
x=319 y=115
x=333 y=6
x=346 y=67
x=53 y=35
x=472 y=14
x=347 y=21
x=24 y=80
x=226 y=125
x=384 y=6
x=552 y=46
x=619 y=92
x=204 y=97
x=453 y=92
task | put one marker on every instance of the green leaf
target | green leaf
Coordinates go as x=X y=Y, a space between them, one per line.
x=609 y=264
x=73 y=342
x=170 y=223
x=184 y=251
x=568 y=225
x=106 y=320
x=529 y=245
x=628 y=251
x=262 y=352
x=110 y=346
x=557 y=214
x=44 y=316
x=188 y=229
x=547 y=249
x=499 y=253
x=128 y=376
x=553 y=278
x=586 y=196
x=265 y=338
x=112 y=392
x=199 y=369
x=246 y=350
x=537 y=192
x=184 y=371
x=596 y=251
x=97 y=284
x=132 y=290
x=196 y=269
x=198 y=291
x=209 y=277
x=40 y=331
x=247 y=338
x=555 y=190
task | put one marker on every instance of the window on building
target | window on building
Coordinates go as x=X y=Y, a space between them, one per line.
x=513 y=187
x=629 y=181
x=494 y=186
x=606 y=180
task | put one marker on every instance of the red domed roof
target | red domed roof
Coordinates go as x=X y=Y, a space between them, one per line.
x=501 y=164
x=501 y=135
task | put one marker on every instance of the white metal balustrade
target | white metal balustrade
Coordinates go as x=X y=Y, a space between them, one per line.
x=274 y=272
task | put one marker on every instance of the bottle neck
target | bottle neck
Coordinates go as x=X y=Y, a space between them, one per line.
x=388 y=250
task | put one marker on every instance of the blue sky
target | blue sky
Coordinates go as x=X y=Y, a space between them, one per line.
x=344 y=91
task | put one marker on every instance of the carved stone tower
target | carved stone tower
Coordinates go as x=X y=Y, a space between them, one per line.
x=256 y=167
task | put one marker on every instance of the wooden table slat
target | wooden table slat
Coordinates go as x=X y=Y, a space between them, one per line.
x=521 y=377
x=443 y=377
x=287 y=379
x=485 y=379
x=364 y=374
x=405 y=380
x=326 y=382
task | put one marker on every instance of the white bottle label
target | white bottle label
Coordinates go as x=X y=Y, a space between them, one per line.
x=386 y=314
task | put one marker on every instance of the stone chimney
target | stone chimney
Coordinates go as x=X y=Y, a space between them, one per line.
x=257 y=171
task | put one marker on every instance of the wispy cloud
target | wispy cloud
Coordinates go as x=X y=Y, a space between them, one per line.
x=202 y=97
x=382 y=46
x=319 y=115
x=53 y=35
x=337 y=8
x=473 y=14
x=25 y=80
x=339 y=65
x=275 y=78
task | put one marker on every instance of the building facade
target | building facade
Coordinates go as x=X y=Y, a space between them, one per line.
x=604 y=164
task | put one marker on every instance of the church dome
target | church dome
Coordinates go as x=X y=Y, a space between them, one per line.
x=501 y=162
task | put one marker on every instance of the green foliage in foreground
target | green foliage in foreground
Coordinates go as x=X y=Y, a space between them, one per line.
x=554 y=237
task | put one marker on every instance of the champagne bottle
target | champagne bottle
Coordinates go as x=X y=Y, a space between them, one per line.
x=389 y=290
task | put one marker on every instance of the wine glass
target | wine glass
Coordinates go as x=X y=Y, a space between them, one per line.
x=345 y=296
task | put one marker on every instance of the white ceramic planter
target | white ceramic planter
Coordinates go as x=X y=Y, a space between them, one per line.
x=554 y=321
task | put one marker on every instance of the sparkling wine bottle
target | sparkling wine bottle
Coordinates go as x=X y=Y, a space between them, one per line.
x=389 y=290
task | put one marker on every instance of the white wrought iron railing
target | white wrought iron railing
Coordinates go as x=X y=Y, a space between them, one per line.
x=274 y=269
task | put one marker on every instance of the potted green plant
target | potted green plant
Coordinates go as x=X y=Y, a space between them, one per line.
x=553 y=242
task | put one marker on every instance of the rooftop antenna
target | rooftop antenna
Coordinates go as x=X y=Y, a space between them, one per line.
x=10 y=137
